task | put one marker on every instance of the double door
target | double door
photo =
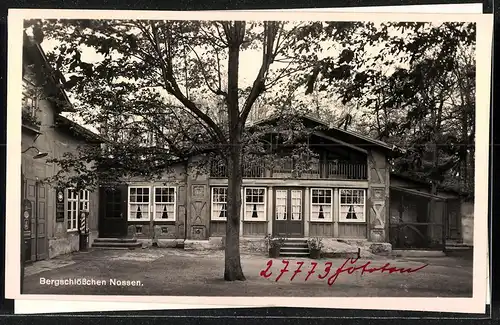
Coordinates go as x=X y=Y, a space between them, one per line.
x=34 y=220
x=288 y=212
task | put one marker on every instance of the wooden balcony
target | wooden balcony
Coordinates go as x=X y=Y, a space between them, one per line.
x=341 y=170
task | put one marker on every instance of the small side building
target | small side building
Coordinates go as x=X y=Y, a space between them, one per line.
x=49 y=215
x=420 y=219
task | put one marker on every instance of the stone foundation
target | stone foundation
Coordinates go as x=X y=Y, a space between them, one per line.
x=253 y=245
x=66 y=245
x=145 y=242
x=333 y=247
x=169 y=243
x=213 y=243
x=247 y=245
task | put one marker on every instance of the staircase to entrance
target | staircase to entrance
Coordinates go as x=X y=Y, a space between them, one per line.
x=116 y=243
x=294 y=248
x=458 y=248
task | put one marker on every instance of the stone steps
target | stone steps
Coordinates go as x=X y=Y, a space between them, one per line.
x=294 y=248
x=115 y=240
x=116 y=243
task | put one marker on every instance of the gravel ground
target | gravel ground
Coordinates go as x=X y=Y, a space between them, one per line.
x=173 y=272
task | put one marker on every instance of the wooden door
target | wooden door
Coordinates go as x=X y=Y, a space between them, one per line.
x=112 y=212
x=288 y=213
x=30 y=195
x=37 y=195
x=41 y=222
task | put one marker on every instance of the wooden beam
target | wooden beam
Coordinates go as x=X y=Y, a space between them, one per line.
x=415 y=192
x=323 y=135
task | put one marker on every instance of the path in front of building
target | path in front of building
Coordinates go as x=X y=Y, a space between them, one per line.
x=175 y=272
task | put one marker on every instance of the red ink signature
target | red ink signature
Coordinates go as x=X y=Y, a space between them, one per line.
x=348 y=266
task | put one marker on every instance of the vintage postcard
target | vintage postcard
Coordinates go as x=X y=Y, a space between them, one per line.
x=205 y=158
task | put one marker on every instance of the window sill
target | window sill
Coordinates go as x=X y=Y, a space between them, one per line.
x=139 y=220
x=218 y=220
x=352 y=221
x=165 y=220
x=254 y=220
x=321 y=221
x=71 y=230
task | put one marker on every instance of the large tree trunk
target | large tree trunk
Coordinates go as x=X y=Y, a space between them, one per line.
x=232 y=270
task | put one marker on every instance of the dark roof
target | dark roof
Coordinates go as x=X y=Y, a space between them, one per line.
x=427 y=184
x=352 y=137
x=78 y=130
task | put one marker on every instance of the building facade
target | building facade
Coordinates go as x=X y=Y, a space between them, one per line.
x=343 y=197
x=349 y=196
x=49 y=215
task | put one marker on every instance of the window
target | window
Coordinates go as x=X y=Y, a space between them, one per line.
x=30 y=102
x=76 y=202
x=296 y=205
x=321 y=204
x=255 y=204
x=72 y=210
x=352 y=205
x=164 y=204
x=219 y=203
x=139 y=203
x=84 y=200
x=281 y=204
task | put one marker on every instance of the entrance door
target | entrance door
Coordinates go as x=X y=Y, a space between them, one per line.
x=288 y=213
x=41 y=222
x=37 y=195
x=112 y=212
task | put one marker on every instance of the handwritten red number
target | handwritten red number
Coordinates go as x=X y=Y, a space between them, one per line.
x=327 y=270
x=283 y=270
x=266 y=273
x=297 y=270
x=314 y=264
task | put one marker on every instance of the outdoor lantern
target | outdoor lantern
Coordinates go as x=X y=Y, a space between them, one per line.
x=39 y=154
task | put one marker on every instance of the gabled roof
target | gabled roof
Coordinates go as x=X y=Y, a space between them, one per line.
x=354 y=138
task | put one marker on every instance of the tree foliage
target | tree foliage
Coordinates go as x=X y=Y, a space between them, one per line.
x=416 y=83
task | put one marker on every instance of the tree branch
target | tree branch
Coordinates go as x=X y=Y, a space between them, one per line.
x=173 y=88
x=268 y=55
x=219 y=91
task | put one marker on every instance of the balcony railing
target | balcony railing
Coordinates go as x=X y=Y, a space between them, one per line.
x=219 y=170
x=341 y=170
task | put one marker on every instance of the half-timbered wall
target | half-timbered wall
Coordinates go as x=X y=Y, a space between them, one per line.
x=378 y=196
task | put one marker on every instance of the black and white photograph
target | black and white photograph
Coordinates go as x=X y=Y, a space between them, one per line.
x=260 y=157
